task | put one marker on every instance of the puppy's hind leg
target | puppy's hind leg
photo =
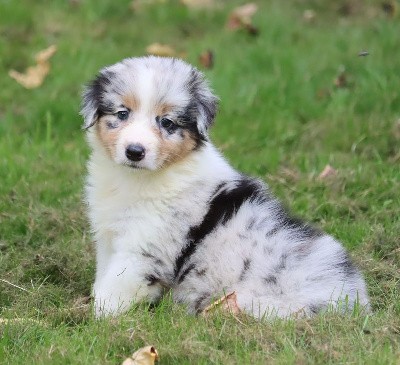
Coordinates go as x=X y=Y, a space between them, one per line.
x=269 y=307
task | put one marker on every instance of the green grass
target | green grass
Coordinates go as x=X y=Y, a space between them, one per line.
x=281 y=118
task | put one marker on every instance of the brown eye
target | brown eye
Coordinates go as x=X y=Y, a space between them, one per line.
x=123 y=115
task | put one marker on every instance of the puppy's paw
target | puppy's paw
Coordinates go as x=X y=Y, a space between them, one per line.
x=109 y=306
x=109 y=302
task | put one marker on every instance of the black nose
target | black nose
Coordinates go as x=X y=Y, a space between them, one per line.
x=135 y=152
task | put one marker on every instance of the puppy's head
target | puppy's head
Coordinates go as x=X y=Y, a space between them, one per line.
x=148 y=112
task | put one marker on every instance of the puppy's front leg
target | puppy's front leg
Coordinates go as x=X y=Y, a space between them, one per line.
x=120 y=284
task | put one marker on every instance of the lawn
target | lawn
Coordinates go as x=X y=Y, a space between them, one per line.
x=295 y=97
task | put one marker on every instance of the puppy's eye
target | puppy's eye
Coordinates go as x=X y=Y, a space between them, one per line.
x=123 y=114
x=167 y=123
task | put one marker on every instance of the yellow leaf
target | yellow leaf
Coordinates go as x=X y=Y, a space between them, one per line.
x=158 y=49
x=227 y=303
x=144 y=356
x=241 y=17
x=34 y=76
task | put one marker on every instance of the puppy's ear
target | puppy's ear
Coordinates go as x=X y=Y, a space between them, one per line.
x=206 y=102
x=93 y=103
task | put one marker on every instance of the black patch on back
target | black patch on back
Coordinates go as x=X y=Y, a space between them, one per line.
x=224 y=205
x=185 y=272
x=298 y=228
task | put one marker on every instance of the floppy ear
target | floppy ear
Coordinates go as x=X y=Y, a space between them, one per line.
x=206 y=102
x=93 y=99
x=89 y=109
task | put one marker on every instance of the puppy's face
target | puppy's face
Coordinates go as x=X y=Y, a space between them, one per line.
x=148 y=112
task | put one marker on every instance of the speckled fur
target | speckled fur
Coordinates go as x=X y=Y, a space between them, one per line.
x=183 y=219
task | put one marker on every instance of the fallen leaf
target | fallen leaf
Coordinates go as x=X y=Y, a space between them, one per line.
x=206 y=59
x=390 y=8
x=328 y=171
x=241 y=17
x=341 y=80
x=144 y=356
x=363 y=53
x=158 y=49
x=309 y=15
x=227 y=303
x=34 y=76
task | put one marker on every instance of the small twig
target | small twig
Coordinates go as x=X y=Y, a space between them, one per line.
x=15 y=286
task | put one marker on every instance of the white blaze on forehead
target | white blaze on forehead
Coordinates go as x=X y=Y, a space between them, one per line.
x=153 y=82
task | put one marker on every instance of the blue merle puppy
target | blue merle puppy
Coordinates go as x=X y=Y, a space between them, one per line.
x=168 y=212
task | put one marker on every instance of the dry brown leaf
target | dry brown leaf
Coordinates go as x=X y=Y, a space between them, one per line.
x=390 y=8
x=34 y=76
x=341 y=80
x=158 y=49
x=206 y=59
x=227 y=303
x=328 y=171
x=241 y=17
x=147 y=355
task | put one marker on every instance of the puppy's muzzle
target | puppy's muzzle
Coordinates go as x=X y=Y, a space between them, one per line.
x=135 y=152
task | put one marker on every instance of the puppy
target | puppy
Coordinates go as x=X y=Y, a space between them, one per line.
x=169 y=213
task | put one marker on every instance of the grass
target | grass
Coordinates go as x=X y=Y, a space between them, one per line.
x=281 y=118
